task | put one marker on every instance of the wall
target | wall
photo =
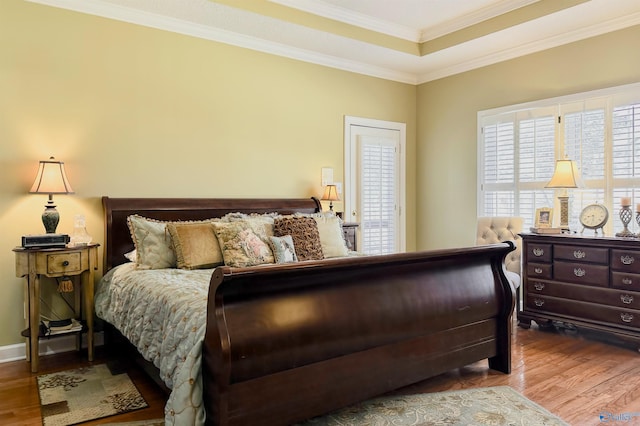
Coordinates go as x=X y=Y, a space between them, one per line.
x=137 y=112
x=447 y=122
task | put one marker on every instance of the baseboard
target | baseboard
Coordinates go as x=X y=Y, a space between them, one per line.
x=47 y=347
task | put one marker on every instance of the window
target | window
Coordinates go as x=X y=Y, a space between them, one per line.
x=518 y=146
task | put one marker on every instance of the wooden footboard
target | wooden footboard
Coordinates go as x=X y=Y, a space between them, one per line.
x=288 y=342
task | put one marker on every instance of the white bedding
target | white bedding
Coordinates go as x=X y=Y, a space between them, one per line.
x=163 y=313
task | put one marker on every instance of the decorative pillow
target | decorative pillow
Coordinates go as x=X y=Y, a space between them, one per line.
x=331 y=236
x=240 y=245
x=283 y=249
x=195 y=245
x=131 y=256
x=153 y=243
x=304 y=232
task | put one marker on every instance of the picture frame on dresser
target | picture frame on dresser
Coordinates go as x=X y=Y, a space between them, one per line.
x=543 y=218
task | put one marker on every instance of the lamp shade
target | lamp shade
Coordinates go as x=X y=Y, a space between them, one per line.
x=330 y=193
x=51 y=179
x=566 y=175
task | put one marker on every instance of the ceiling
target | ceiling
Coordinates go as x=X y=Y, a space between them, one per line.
x=410 y=41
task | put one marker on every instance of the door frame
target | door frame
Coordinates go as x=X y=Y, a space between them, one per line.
x=350 y=170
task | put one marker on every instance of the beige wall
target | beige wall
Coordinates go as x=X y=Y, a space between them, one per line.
x=139 y=112
x=447 y=119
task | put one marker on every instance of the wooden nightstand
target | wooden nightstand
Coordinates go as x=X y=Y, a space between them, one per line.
x=350 y=236
x=56 y=262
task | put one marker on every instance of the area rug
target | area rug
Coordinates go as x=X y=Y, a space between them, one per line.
x=153 y=422
x=493 y=406
x=75 y=396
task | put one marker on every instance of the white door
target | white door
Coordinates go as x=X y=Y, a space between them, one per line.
x=374 y=183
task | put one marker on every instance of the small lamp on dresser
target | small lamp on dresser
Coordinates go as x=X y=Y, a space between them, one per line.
x=51 y=179
x=331 y=195
x=565 y=176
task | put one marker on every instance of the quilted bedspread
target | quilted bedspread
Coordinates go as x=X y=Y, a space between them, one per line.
x=163 y=313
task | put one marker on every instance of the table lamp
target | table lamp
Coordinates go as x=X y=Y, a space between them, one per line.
x=331 y=195
x=51 y=179
x=565 y=176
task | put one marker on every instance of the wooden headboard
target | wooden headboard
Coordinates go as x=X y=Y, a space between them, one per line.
x=116 y=210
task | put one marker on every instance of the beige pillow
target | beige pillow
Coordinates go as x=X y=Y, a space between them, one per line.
x=195 y=245
x=152 y=242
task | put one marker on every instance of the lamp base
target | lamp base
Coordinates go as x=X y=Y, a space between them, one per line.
x=564 y=212
x=50 y=218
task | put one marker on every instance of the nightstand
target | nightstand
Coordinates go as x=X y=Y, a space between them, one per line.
x=350 y=236
x=73 y=262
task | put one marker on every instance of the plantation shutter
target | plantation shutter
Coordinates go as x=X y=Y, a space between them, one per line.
x=626 y=155
x=378 y=188
x=536 y=137
x=584 y=142
x=499 y=168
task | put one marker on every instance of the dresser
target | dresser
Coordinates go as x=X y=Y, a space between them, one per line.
x=592 y=283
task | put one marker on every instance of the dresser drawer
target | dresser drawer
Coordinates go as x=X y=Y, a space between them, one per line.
x=581 y=273
x=539 y=253
x=540 y=270
x=581 y=254
x=619 y=317
x=64 y=263
x=623 y=280
x=600 y=296
x=625 y=260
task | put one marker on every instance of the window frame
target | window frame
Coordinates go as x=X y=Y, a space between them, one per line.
x=611 y=187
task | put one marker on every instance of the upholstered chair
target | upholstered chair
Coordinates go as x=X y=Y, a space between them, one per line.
x=498 y=229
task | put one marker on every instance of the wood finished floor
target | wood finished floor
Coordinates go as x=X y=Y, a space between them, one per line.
x=573 y=377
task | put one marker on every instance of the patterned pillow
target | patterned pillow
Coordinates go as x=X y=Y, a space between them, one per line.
x=152 y=242
x=241 y=246
x=195 y=245
x=304 y=232
x=283 y=249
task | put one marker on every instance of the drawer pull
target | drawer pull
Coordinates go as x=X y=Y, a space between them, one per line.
x=626 y=259
x=538 y=286
x=626 y=317
x=538 y=302
x=579 y=254
x=65 y=263
x=537 y=270
x=579 y=272
x=627 y=281
x=538 y=252
x=626 y=299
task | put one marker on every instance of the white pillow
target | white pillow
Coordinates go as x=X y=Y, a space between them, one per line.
x=331 y=236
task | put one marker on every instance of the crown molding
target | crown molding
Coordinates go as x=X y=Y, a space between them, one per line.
x=350 y=17
x=470 y=19
x=533 y=47
x=219 y=23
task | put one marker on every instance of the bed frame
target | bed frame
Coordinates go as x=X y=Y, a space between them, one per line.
x=288 y=342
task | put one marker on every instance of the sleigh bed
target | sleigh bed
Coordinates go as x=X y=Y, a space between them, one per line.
x=280 y=343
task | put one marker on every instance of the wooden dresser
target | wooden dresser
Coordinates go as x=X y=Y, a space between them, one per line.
x=591 y=283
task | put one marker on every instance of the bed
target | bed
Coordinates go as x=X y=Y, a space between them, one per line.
x=280 y=343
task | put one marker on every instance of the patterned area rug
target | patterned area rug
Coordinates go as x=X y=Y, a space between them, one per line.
x=75 y=396
x=493 y=406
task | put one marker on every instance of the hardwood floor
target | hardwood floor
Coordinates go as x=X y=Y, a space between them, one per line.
x=574 y=378
x=20 y=404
